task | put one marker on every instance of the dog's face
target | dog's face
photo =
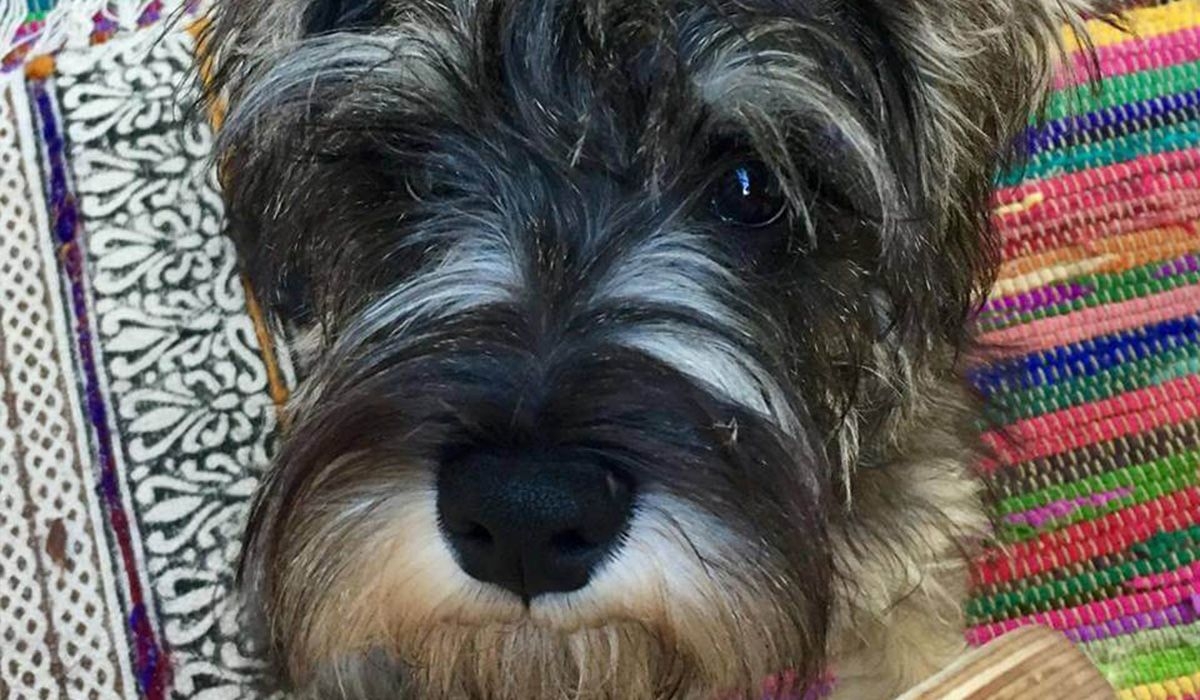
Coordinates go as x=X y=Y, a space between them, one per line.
x=612 y=307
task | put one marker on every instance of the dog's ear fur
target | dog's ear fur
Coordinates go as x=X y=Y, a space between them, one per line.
x=987 y=64
x=238 y=36
x=979 y=70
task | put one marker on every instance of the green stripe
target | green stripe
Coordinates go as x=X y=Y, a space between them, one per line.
x=1178 y=468
x=1162 y=552
x=1079 y=589
x=1148 y=481
x=1108 y=288
x=1152 y=667
x=1123 y=89
x=1111 y=650
x=1175 y=137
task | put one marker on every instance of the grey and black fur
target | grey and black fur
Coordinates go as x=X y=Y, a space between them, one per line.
x=493 y=221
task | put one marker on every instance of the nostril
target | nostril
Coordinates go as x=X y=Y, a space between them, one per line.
x=477 y=534
x=571 y=543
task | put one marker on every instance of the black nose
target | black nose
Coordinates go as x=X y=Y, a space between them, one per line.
x=532 y=522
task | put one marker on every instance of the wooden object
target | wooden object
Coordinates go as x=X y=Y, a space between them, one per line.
x=1033 y=663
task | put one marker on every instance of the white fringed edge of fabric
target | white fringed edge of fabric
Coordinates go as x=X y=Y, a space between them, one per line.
x=70 y=23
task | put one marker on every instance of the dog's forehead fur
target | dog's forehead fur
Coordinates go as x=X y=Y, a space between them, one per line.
x=579 y=136
x=561 y=147
x=474 y=90
x=491 y=217
x=597 y=89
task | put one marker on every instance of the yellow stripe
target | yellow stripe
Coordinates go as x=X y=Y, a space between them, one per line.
x=1174 y=688
x=1142 y=23
x=1049 y=275
x=1031 y=200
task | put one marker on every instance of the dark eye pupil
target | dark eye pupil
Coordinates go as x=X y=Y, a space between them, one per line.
x=748 y=194
x=342 y=15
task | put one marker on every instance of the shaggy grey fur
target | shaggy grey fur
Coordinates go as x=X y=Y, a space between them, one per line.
x=494 y=221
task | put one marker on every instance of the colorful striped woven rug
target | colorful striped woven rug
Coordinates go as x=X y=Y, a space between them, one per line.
x=1096 y=311
x=138 y=384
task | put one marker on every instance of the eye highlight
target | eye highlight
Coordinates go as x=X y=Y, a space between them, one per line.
x=748 y=194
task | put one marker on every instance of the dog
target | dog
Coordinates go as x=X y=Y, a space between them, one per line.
x=629 y=333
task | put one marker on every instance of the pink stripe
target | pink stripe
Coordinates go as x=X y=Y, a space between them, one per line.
x=1072 y=183
x=1086 y=540
x=1158 y=192
x=1156 y=201
x=1167 y=578
x=1171 y=616
x=1110 y=222
x=1069 y=429
x=1153 y=191
x=1133 y=56
x=1092 y=322
x=1088 y=614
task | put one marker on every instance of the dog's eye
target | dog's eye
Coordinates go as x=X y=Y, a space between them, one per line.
x=748 y=195
x=342 y=15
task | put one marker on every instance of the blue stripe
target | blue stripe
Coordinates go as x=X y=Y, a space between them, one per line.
x=1084 y=359
x=1113 y=121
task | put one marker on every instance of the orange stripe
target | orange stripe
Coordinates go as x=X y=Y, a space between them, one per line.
x=1104 y=256
x=277 y=387
x=1132 y=250
x=40 y=68
x=216 y=110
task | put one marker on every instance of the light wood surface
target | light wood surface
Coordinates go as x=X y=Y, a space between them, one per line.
x=1033 y=663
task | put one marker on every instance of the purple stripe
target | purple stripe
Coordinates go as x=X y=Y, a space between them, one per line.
x=1040 y=298
x=1036 y=517
x=1173 y=616
x=1184 y=265
x=151 y=663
